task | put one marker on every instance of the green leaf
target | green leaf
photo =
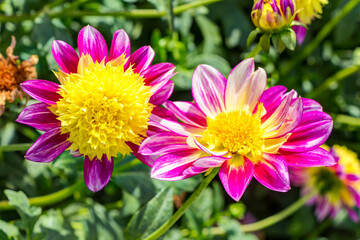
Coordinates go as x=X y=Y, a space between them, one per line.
x=265 y=42
x=200 y=211
x=137 y=184
x=288 y=37
x=155 y=213
x=211 y=34
x=29 y=215
x=252 y=36
x=185 y=185
x=8 y=229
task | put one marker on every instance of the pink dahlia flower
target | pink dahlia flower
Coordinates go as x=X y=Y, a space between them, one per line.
x=237 y=125
x=336 y=187
x=101 y=107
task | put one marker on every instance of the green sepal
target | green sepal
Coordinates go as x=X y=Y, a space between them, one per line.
x=288 y=37
x=252 y=36
x=277 y=43
x=265 y=42
x=297 y=23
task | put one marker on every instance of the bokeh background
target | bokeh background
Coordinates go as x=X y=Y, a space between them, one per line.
x=213 y=34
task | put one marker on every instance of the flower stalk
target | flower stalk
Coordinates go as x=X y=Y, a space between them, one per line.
x=135 y=13
x=160 y=231
x=325 y=31
x=269 y=221
x=49 y=199
x=15 y=147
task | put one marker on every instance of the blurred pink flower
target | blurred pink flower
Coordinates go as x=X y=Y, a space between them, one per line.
x=102 y=105
x=335 y=187
x=237 y=125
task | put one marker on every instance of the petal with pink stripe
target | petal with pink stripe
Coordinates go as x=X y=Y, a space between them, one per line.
x=208 y=89
x=48 y=146
x=272 y=172
x=39 y=116
x=90 y=41
x=172 y=167
x=236 y=178
x=238 y=83
x=42 y=90
x=313 y=130
x=163 y=143
x=315 y=158
x=187 y=112
x=120 y=45
x=65 y=56
x=97 y=173
x=141 y=58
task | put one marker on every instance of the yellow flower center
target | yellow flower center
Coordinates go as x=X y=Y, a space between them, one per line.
x=238 y=132
x=102 y=107
x=348 y=159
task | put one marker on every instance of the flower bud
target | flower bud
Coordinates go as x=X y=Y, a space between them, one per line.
x=273 y=15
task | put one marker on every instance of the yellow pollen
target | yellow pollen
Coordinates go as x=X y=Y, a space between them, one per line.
x=238 y=132
x=103 y=107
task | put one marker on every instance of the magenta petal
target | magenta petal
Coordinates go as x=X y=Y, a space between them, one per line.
x=203 y=164
x=158 y=73
x=97 y=173
x=311 y=105
x=352 y=214
x=300 y=33
x=146 y=159
x=141 y=58
x=208 y=90
x=120 y=45
x=90 y=41
x=313 y=130
x=187 y=112
x=42 y=90
x=272 y=172
x=235 y=179
x=48 y=146
x=272 y=97
x=39 y=116
x=65 y=56
x=315 y=158
x=173 y=167
x=163 y=94
x=163 y=143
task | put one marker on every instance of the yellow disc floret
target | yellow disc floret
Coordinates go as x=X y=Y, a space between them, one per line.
x=102 y=107
x=238 y=132
x=348 y=159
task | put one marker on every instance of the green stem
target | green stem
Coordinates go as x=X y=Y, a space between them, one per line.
x=15 y=147
x=254 y=52
x=47 y=199
x=128 y=165
x=135 y=13
x=340 y=118
x=160 y=231
x=320 y=36
x=277 y=217
x=337 y=77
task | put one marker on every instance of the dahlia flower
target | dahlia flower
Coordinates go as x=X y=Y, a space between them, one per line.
x=237 y=125
x=335 y=187
x=273 y=15
x=101 y=107
x=308 y=10
x=12 y=73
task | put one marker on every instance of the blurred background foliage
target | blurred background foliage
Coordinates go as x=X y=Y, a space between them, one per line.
x=133 y=205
